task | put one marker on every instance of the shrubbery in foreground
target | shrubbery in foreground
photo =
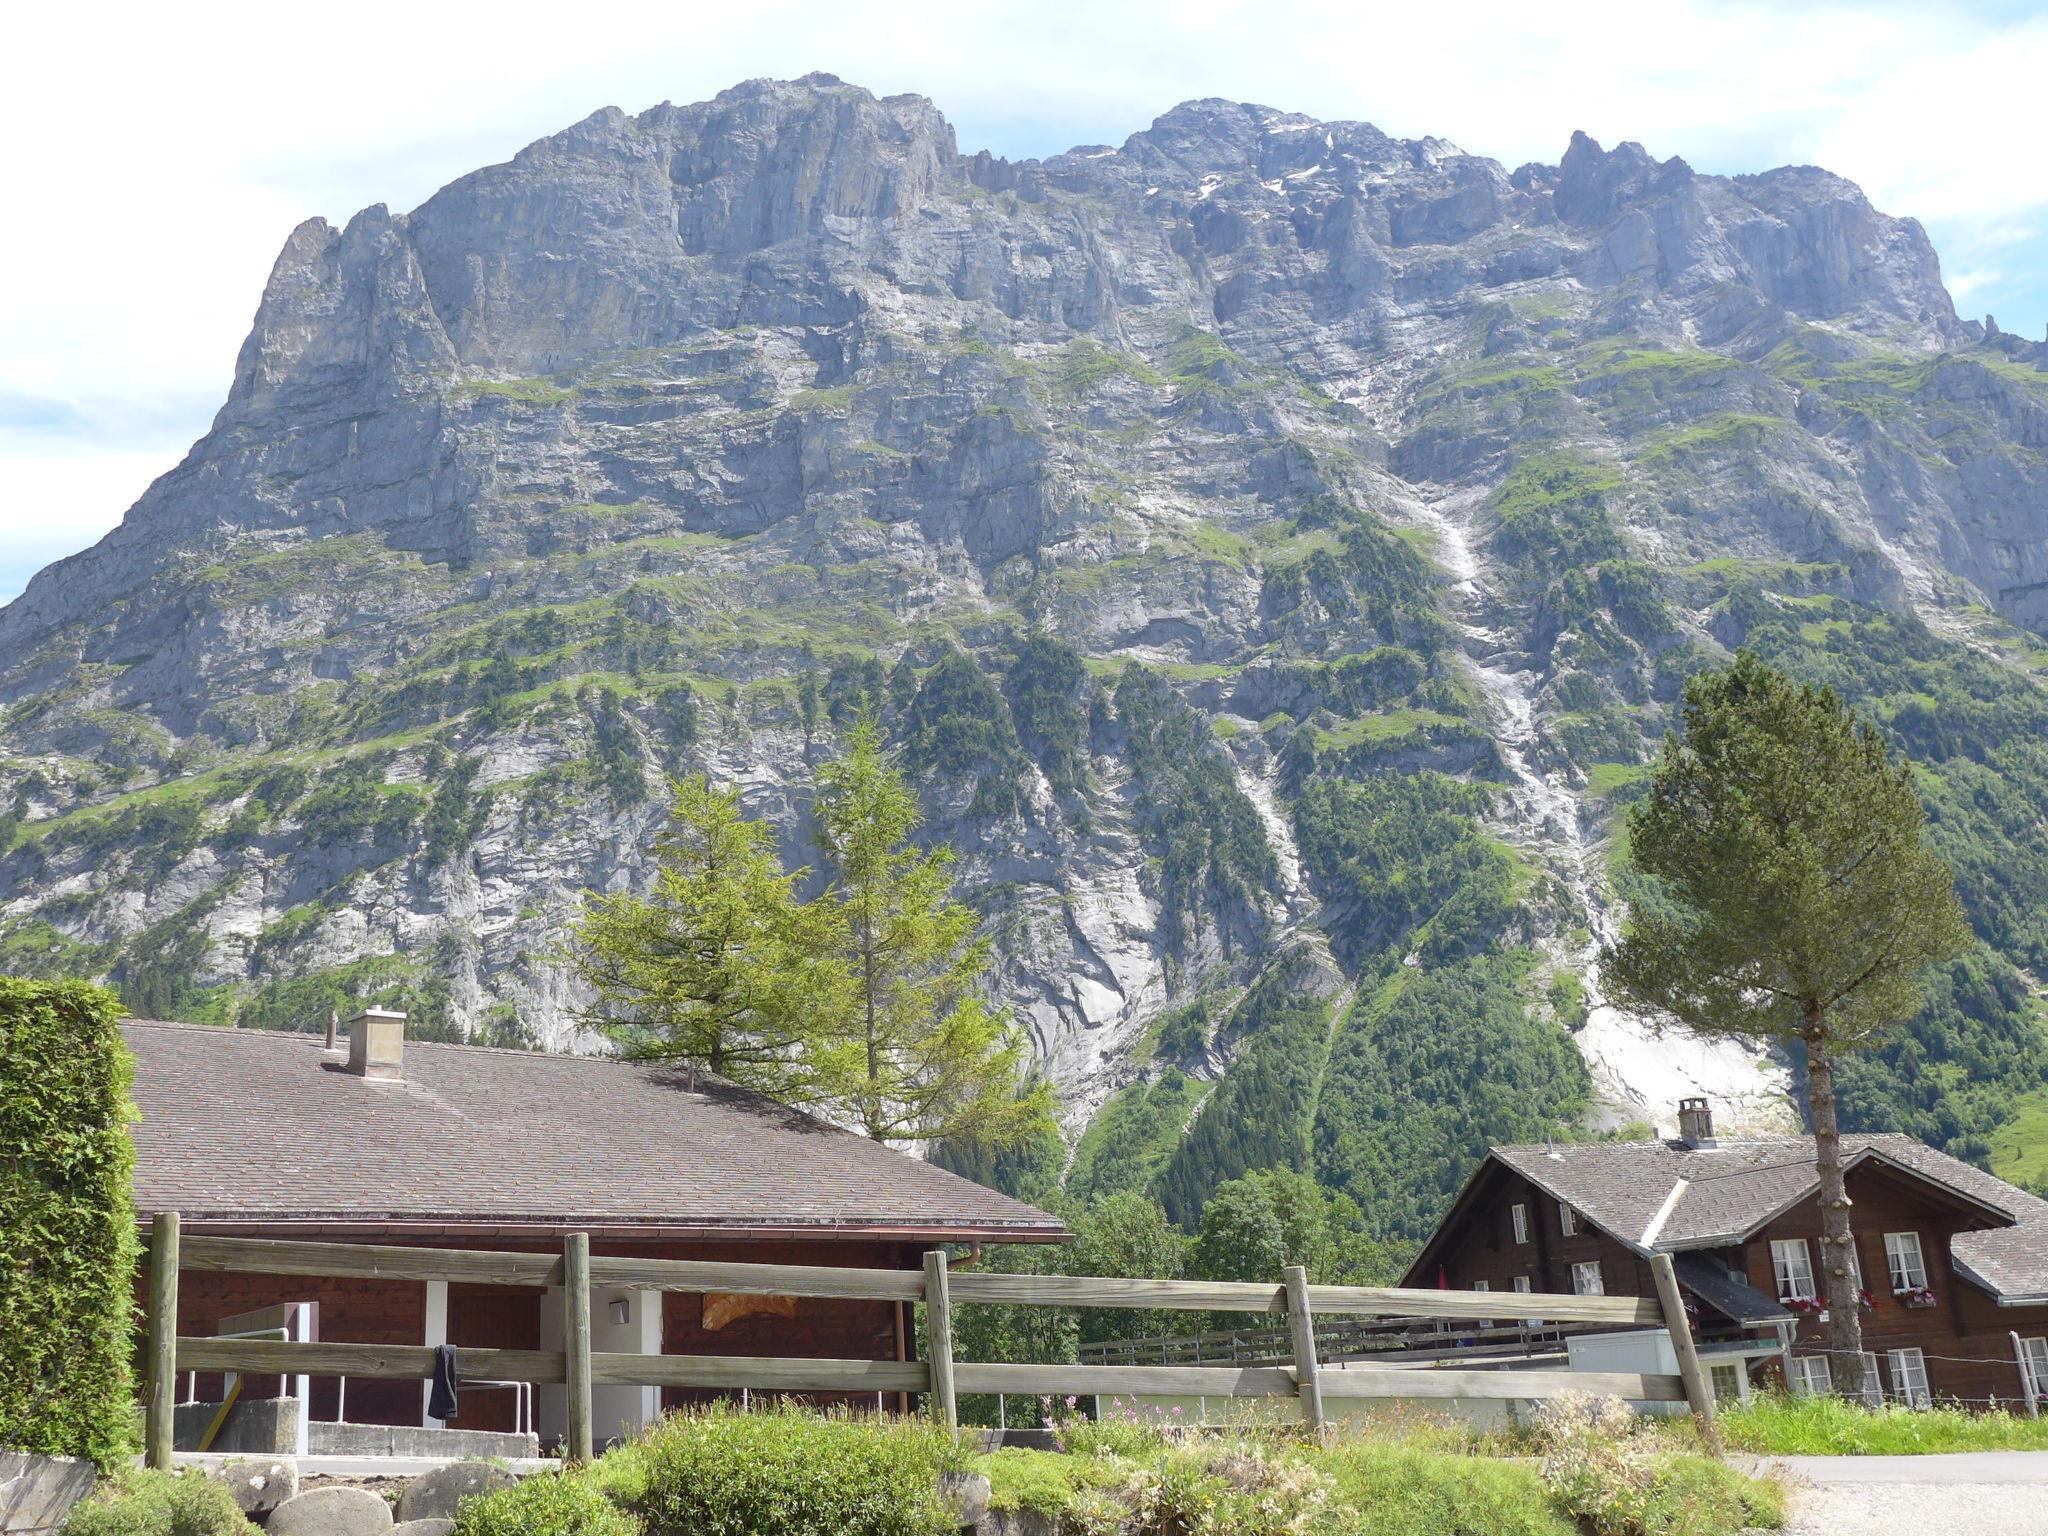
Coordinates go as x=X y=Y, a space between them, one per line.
x=67 y=1224
x=1778 y=1425
x=137 y=1503
x=786 y=1472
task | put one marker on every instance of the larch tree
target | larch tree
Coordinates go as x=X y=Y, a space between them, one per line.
x=719 y=965
x=916 y=1051
x=1799 y=902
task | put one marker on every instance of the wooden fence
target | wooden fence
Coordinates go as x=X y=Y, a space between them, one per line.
x=939 y=1377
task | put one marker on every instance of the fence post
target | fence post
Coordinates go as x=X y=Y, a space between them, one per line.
x=1301 y=1325
x=938 y=1328
x=163 y=1340
x=1699 y=1393
x=576 y=1342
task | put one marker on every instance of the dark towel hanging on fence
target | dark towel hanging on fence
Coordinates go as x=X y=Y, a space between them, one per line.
x=441 y=1402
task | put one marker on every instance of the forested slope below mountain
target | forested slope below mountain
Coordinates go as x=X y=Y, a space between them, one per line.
x=1274 y=547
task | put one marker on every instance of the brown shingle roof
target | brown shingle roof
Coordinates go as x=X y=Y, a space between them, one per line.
x=1734 y=1188
x=242 y=1126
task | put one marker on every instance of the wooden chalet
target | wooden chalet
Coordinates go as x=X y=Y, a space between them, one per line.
x=377 y=1139
x=1953 y=1261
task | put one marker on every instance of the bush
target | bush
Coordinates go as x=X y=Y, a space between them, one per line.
x=782 y=1472
x=563 y=1504
x=159 y=1504
x=1610 y=1470
x=67 y=1225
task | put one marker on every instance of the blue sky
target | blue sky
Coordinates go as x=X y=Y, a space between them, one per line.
x=158 y=156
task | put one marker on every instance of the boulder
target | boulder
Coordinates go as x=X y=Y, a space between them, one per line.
x=331 y=1512
x=259 y=1483
x=37 y=1492
x=434 y=1495
x=423 y=1528
x=966 y=1494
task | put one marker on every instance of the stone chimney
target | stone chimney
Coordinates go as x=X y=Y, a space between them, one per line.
x=376 y=1045
x=1695 y=1123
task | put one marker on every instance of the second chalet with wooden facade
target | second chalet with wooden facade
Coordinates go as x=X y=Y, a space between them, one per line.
x=1953 y=1261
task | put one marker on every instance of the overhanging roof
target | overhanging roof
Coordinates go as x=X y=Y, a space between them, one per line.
x=243 y=1128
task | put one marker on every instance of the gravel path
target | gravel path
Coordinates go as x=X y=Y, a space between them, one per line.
x=1993 y=1493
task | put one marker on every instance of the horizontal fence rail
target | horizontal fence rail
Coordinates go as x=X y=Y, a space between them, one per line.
x=1300 y=1375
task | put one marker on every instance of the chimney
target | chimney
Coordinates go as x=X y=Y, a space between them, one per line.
x=333 y=1028
x=376 y=1045
x=1695 y=1123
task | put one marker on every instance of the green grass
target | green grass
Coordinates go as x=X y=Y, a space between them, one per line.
x=525 y=391
x=1828 y=1426
x=1604 y=779
x=2019 y=1148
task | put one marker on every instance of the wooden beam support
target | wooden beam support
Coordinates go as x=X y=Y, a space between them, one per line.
x=938 y=1329
x=576 y=1344
x=375 y=1362
x=762 y=1373
x=163 y=1341
x=1396 y=1381
x=1476 y=1306
x=1126 y=1380
x=1699 y=1392
x=698 y=1275
x=368 y=1261
x=1301 y=1327
x=1094 y=1291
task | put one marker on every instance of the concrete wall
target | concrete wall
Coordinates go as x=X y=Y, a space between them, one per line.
x=36 y=1492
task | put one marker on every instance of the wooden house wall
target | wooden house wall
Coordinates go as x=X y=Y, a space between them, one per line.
x=359 y=1311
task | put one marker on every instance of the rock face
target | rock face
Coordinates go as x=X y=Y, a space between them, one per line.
x=666 y=443
x=330 y=1512
x=259 y=1484
x=434 y=1495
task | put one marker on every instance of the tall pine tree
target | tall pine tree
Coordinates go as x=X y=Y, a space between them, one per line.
x=916 y=1052
x=720 y=965
x=1803 y=905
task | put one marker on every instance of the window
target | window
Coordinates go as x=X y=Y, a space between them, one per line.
x=2035 y=1353
x=1903 y=1257
x=1792 y=1269
x=1586 y=1279
x=1909 y=1378
x=1523 y=1286
x=1567 y=1220
x=1727 y=1382
x=1873 y=1384
x=1809 y=1376
x=1482 y=1285
x=1520 y=1213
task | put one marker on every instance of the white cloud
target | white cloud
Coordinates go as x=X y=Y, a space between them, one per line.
x=158 y=155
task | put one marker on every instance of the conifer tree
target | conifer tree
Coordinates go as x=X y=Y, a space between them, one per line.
x=720 y=965
x=915 y=1052
x=1797 y=901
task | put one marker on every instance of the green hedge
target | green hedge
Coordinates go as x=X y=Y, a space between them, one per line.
x=67 y=1226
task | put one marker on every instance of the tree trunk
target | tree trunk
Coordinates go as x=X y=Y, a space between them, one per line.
x=1837 y=1247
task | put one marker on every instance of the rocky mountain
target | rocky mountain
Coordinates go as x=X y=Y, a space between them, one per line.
x=1275 y=547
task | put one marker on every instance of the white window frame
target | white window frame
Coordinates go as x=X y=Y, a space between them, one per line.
x=1567 y=1220
x=1482 y=1285
x=1909 y=1377
x=1518 y=1214
x=1873 y=1384
x=1589 y=1270
x=1787 y=1275
x=1809 y=1376
x=2035 y=1352
x=1906 y=1260
x=1523 y=1286
x=1732 y=1369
